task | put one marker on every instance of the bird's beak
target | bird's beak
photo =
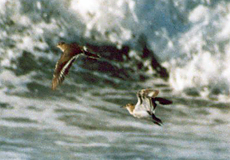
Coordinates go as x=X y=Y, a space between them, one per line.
x=123 y=106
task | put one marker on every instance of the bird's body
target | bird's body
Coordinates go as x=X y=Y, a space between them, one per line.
x=70 y=53
x=146 y=105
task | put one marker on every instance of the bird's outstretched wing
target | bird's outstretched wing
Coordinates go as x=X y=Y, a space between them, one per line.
x=163 y=100
x=62 y=69
x=150 y=93
x=156 y=120
x=148 y=96
x=139 y=98
x=144 y=97
x=91 y=55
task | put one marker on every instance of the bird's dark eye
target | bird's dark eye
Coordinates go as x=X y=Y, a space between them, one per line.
x=61 y=43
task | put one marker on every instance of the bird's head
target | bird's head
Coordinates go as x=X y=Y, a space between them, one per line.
x=61 y=46
x=130 y=107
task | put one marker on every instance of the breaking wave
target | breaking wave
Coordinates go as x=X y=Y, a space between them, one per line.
x=189 y=38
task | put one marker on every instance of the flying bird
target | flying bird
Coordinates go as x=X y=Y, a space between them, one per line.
x=70 y=53
x=146 y=105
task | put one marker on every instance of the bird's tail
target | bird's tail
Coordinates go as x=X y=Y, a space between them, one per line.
x=91 y=55
x=156 y=120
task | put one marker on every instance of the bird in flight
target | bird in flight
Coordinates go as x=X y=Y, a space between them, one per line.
x=70 y=53
x=146 y=105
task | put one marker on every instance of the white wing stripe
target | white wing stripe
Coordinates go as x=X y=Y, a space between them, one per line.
x=66 y=66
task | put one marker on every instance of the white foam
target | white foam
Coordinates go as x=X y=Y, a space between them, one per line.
x=3 y=4
x=199 y=14
x=192 y=40
x=107 y=17
x=204 y=53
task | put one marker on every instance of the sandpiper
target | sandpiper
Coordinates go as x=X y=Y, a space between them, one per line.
x=146 y=105
x=70 y=53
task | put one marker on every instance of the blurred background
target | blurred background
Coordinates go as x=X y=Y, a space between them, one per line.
x=180 y=47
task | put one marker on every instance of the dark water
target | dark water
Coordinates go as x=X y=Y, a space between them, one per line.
x=86 y=122
x=82 y=119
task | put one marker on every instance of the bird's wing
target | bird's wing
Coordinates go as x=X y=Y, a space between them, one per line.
x=145 y=106
x=62 y=69
x=91 y=55
x=143 y=102
x=148 y=96
x=139 y=98
x=150 y=93
x=163 y=101
x=153 y=103
x=147 y=100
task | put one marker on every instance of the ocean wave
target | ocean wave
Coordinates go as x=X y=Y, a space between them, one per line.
x=189 y=38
